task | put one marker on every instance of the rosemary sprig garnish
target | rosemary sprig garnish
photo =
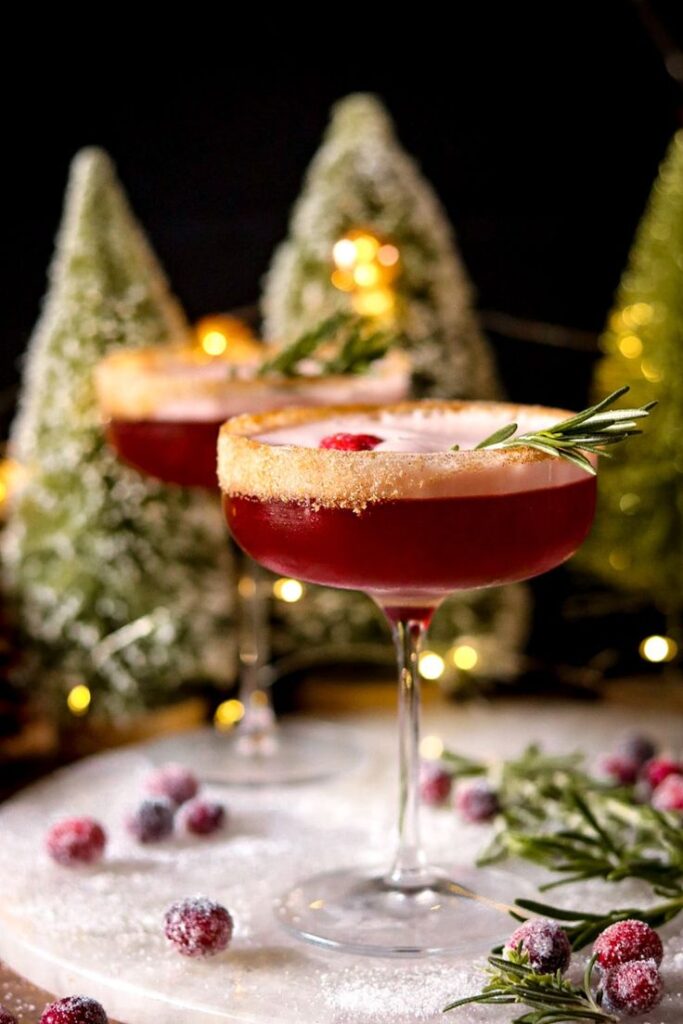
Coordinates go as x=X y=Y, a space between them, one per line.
x=551 y=999
x=356 y=343
x=574 y=439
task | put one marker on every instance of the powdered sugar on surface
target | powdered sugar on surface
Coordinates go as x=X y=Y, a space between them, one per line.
x=100 y=929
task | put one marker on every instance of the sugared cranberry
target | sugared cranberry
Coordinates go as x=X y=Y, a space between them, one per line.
x=202 y=817
x=74 y=1010
x=618 y=769
x=351 y=442
x=476 y=801
x=633 y=988
x=626 y=941
x=659 y=768
x=637 y=748
x=545 y=943
x=435 y=784
x=198 y=926
x=6 y=1017
x=668 y=795
x=76 y=841
x=152 y=820
x=174 y=781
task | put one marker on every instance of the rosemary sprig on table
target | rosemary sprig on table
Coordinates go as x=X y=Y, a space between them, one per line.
x=574 y=439
x=551 y=999
x=354 y=341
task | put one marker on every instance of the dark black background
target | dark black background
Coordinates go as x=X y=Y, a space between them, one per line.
x=540 y=125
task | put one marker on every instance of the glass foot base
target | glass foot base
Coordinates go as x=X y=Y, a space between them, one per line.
x=463 y=910
x=293 y=753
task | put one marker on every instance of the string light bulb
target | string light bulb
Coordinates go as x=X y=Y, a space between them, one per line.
x=288 y=590
x=220 y=334
x=431 y=748
x=431 y=665
x=78 y=700
x=365 y=267
x=658 y=649
x=465 y=657
x=228 y=714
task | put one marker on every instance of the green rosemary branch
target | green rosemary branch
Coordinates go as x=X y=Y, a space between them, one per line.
x=551 y=999
x=356 y=344
x=587 y=433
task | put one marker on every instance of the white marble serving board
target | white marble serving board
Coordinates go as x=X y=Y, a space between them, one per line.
x=99 y=931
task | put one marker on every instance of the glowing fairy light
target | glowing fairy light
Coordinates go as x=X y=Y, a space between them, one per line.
x=214 y=343
x=228 y=714
x=658 y=648
x=630 y=346
x=465 y=657
x=288 y=590
x=431 y=748
x=431 y=665
x=365 y=267
x=650 y=371
x=78 y=699
x=220 y=334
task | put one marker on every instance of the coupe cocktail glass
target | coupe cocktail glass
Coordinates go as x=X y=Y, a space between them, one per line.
x=163 y=408
x=408 y=522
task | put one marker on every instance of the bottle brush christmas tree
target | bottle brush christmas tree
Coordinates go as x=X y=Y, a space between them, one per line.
x=362 y=191
x=369 y=233
x=119 y=582
x=637 y=541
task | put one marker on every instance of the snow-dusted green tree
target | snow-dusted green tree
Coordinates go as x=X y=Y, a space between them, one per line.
x=119 y=582
x=361 y=178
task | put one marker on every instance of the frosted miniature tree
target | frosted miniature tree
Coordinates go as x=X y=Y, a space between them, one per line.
x=119 y=582
x=361 y=178
x=637 y=540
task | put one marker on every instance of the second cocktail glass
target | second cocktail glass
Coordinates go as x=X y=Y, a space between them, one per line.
x=376 y=499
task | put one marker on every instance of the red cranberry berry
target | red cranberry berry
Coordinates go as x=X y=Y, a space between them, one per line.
x=76 y=841
x=435 y=784
x=198 y=926
x=618 y=769
x=351 y=442
x=6 y=1017
x=626 y=941
x=668 y=795
x=74 y=1010
x=203 y=817
x=152 y=820
x=659 y=768
x=174 y=781
x=637 y=748
x=476 y=801
x=545 y=943
x=633 y=988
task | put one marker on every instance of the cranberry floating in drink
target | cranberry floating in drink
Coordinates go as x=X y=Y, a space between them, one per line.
x=410 y=502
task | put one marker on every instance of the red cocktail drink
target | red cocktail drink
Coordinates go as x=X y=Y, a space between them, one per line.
x=179 y=452
x=397 y=501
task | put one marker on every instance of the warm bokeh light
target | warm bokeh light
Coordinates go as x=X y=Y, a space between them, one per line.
x=618 y=560
x=465 y=657
x=78 y=699
x=388 y=255
x=658 y=648
x=214 y=343
x=650 y=371
x=365 y=267
x=431 y=748
x=366 y=275
x=630 y=346
x=431 y=665
x=288 y=590
x=374 y=302
x=221 y=333
x=228 y=714
x=628 y=503
x=246 y=587
x=11 y=475
x=344 y=253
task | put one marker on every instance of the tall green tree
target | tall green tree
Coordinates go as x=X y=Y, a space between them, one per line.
x=637 y=541
x=118 y=581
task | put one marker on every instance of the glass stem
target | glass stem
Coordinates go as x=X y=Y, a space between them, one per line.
x=259 y=717
x=409 y=869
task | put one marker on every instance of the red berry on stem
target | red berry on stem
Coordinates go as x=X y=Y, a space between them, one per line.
x=619 y=769
x=545 y=943
x=202 y=817
x=476 y=801
x=75 y=841
x=668 y=796
x=6 y=1017
x=633 y=988
x=626 y=941
x=351 y=442
x=74 y=1010
x=152 y=820
x=174 y=781
x=198 y=926
x=659 y=768
x=435 y=784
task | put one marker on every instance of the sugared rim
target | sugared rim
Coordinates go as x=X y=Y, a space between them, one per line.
x=330 y=478
x=147 y=382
